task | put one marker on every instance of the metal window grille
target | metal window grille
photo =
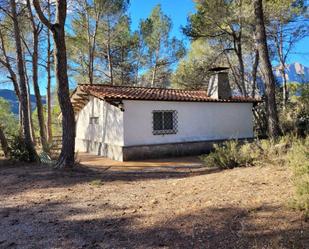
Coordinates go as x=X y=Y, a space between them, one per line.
x=164 y=122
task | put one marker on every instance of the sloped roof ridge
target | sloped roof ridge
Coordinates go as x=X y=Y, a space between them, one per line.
x=142 y=87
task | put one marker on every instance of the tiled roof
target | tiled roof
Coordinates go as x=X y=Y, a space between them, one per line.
x=108 y=92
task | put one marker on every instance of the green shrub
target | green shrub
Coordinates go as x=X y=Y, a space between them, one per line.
x=272 y=151
x=19 y=151
x=294 y=117
x=228 y=155
x=231 y=154
x=302 y=122
x=298 y=160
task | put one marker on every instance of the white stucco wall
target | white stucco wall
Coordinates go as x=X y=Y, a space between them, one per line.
x=109 y=129
x=197 y=121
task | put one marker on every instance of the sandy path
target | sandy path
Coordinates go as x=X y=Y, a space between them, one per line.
x=184 y=206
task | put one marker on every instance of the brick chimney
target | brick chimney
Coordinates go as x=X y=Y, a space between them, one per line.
x=219 y=86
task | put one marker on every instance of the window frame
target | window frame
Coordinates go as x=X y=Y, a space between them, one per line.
x=164 y=131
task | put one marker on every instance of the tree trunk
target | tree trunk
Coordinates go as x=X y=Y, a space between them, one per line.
x=37 y=92
x=6 y=63
x=48 y=88
x=154 y=73
x=20 y=116
x=234 y=73
x=272 y=115
x=109 y=58
x=36 y=88
x=4 y=143
x=66 y=158
x=90 y=73
x=33 y=137
x=285 y=92
x=254 y=72
x=22 y=84
x=122 y=66
x=241 y=67
x=282 y=66
x=48 y=95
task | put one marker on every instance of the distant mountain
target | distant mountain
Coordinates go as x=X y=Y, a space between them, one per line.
x=10 y=96
x=295 y=72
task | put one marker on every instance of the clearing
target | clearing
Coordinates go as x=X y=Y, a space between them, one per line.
x=171 y=204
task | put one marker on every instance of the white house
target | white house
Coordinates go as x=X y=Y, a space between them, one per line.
x=128 y=123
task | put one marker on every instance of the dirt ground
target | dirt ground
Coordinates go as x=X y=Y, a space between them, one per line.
x=170 y=204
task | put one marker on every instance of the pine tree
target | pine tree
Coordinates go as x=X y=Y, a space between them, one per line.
x=162 y=51
x=271 y=106
x=66 y=158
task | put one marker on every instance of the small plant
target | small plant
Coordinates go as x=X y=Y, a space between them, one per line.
x=229 y=155
x=96 y=183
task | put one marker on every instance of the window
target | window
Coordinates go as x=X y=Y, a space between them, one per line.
x=93 y=120
x=164 y=122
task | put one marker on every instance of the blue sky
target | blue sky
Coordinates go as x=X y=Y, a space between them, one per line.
x=301 y=52
x=177 y=10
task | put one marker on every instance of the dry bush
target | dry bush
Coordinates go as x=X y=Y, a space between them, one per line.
x=231 y=154
x=298 y=160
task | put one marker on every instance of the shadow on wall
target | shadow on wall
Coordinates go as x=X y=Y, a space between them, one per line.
x=59 y=225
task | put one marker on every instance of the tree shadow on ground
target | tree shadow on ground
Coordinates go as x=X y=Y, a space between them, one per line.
x=57 y=225
x=19 y=177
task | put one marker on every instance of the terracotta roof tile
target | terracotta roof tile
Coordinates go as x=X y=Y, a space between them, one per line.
x=108 y=92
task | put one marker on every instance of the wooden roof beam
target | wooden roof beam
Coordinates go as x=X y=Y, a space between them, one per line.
x=82 y=95
x=78 y=105
x=79 y=100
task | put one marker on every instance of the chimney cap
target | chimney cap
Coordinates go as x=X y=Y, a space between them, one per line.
x=218 y=69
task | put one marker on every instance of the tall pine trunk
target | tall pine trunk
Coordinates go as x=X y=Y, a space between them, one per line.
x=36 y=88
x=37 y=93
x=22 y=84
x=66 y=158
x=110 y=64
x=4 y=143
x=109 y=58
x=155 y=68
x=254 y=72
x=272 y=115
x=48 y=88
x=48 y=95
x=241 y=66
x=279 y=45
x=153 y=77
x=285 y=92
x=33 y=137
